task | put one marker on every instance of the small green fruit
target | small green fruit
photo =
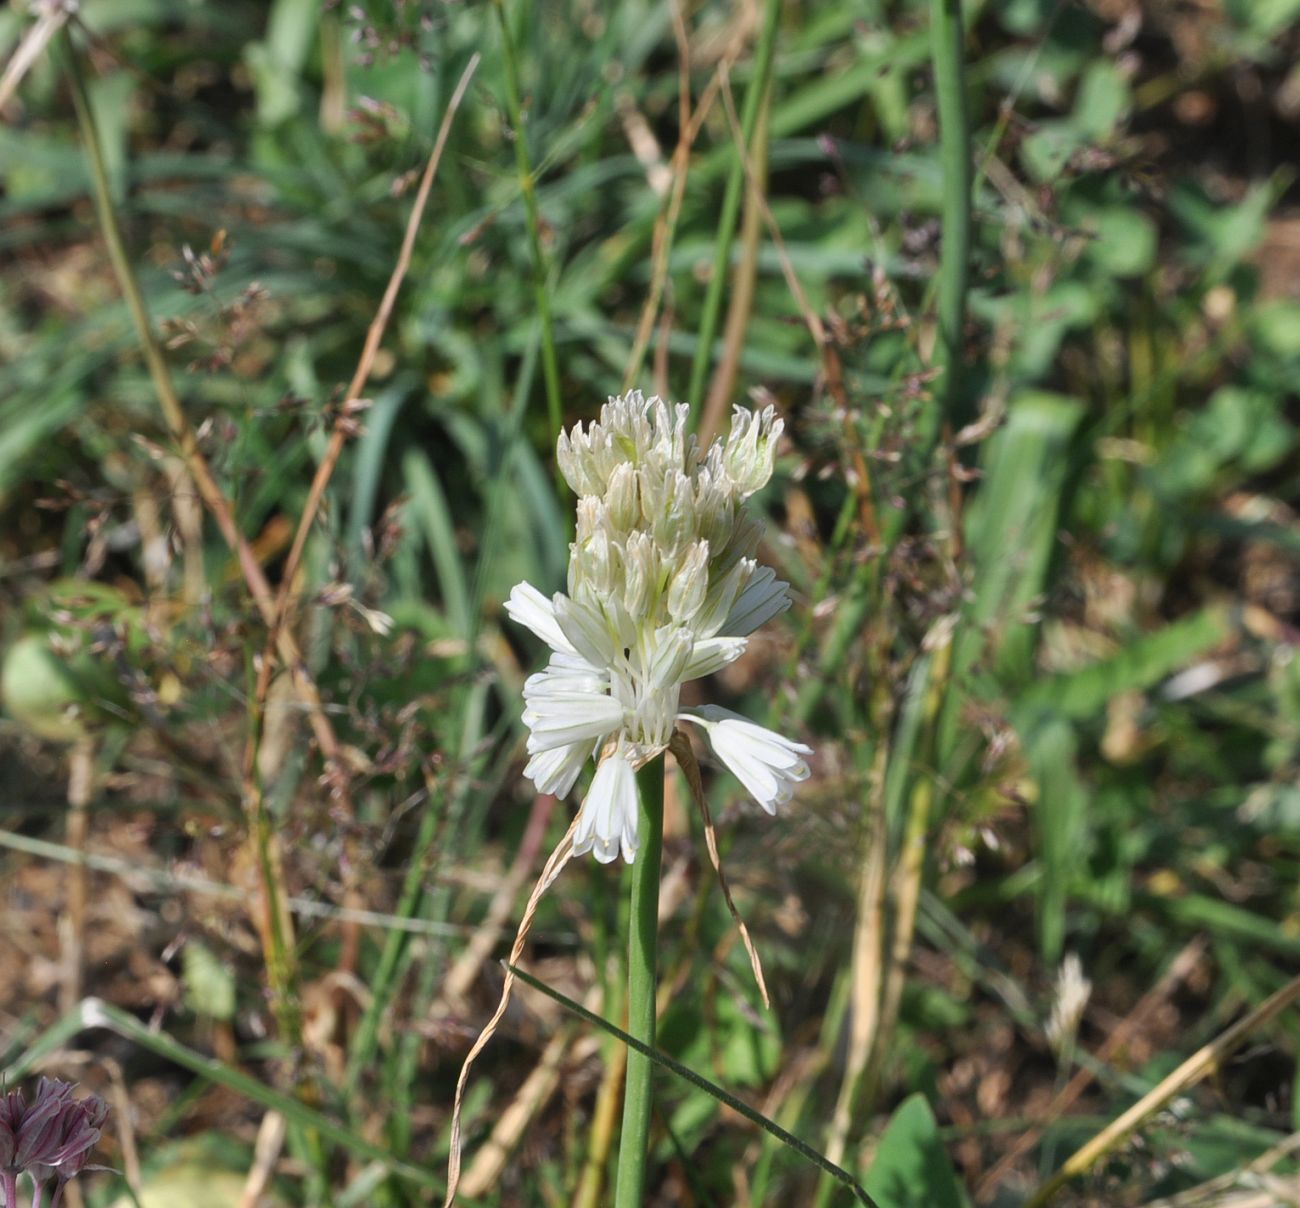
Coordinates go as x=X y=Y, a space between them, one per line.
x=43 y=692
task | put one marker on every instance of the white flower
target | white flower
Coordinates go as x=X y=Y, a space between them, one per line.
x=766 y=763
x=663 y=588
x=607 y=824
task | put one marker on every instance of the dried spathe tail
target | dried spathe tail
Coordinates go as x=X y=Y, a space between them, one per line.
x=562 y=854
x=680 y=746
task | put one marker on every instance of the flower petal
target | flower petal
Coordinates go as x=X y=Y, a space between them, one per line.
x=768 y=764
x=585 y=631
x=712 y=654
x=560 y=715
x=557 y=770
x=763 y=597
x=566 y=673
x=607 y=822
x=529 y=608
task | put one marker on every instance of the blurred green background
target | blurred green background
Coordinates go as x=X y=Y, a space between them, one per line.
x=1043 y=643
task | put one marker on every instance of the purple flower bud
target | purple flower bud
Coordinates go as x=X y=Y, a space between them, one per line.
x=11 y=1119
x=69 y=1129
x=51 y=1138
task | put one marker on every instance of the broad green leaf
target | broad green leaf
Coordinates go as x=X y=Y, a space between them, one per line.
x=1123 y=240
x=1103 y=100
x=1276 y=326
x=911 y=1167
x=1010 y=533
x=432 y=515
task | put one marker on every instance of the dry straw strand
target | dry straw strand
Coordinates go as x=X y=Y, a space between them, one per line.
x=562 y=854
x=681 y=749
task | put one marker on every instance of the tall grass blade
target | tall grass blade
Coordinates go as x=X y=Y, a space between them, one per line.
x=687 y=1074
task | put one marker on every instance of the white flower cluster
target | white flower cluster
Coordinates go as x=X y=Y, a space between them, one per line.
x=663 y=588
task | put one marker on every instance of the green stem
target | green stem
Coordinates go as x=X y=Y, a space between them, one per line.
x=527 y=186
x=116 y=245
x=731 y=208
x=947 y=38
x=691 y=1078
x=643 y=930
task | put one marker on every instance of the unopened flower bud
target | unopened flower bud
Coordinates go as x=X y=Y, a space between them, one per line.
x=690 y=583
x=668 y=656
x=570 y=455
x=722 y=593
x=674 y=515
x=621 y=502
x=641 y=583
x=751 y=448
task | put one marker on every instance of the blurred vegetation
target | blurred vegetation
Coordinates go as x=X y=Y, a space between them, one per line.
x=1044 y=642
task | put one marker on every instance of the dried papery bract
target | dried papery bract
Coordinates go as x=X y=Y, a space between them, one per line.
x=663 y=588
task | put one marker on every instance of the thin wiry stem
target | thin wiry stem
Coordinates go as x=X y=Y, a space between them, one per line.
x=178 y=424
x=745 y=280
x=532 y=216
x=643 y=932
x=665 y=228
x=731 y=208
x=277 y=946
x=947 y=37
x=345 y=424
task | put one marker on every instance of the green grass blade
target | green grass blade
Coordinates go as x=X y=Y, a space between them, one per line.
x=739 y=1106
x=1140 y=665
x=433 y=514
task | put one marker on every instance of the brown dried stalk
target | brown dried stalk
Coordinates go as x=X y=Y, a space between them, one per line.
x=279 y=628
x=1178 y=971
x=1204 y=1061
x=344 y=426
x=831 y=366
x=53 y=15
x=689 y=123
x=680 y=747
x=562 y=854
